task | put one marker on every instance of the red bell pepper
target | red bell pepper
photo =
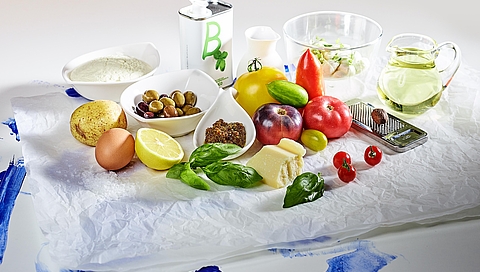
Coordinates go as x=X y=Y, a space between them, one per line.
x=310 y=75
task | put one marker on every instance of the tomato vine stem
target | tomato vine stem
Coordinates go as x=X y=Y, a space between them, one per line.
x=254 y=65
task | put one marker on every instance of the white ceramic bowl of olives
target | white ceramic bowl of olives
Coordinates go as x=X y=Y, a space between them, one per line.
x=172 y=102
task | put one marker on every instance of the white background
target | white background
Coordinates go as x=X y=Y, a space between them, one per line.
x=37 y=37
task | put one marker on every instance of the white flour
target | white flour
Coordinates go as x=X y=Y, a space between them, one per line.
x=110 y=69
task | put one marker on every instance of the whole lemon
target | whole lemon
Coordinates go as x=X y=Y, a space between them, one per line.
x=251 y=86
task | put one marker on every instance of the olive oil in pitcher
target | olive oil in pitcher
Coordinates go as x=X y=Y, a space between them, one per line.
x=411 y=82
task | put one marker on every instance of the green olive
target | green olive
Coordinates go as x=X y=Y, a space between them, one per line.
x=186 y=107
x=155 y=106
x=150 y=95
x=167 y=101
x=180 y=112
x=179 y=98
x=190 y=98
x=192 y=110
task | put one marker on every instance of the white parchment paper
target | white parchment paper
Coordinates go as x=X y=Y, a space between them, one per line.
x=99 y=220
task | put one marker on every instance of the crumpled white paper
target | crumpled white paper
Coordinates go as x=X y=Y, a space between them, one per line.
x=99 y=220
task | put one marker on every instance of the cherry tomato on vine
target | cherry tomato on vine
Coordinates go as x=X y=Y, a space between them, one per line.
x=339 y=157
x=347 y=172
x=373 y=155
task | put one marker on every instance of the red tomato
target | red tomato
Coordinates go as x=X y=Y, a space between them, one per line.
x=327 y=114
x=373 y=155
x=309 y=75
x=340 y=157
x=347 y=172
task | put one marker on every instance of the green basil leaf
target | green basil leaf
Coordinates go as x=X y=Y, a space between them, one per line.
x=306 y=187
x=189 y=177
x=184 y=173
x=228 y=173
x=175 y=171
x=210 y=153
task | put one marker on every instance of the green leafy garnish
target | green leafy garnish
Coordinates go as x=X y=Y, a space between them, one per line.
x=227 y=173
x=183 y=172
x=306 y=187
x=175 y=171
x=210 y=153
x=207 y=158
x=323 y=55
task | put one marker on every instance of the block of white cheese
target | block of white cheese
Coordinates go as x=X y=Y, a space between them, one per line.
x=279 y=164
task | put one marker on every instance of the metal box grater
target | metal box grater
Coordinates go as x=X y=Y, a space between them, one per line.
x=396 y=134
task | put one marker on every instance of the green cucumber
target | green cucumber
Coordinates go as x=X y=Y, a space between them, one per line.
x=288 y=93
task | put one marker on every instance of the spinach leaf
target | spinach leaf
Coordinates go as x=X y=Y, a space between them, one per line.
x=210 y=153
x=306 y=187
x=227 y=173
x=184 y=172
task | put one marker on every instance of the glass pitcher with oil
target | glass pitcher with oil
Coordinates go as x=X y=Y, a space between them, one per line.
x=413 y=80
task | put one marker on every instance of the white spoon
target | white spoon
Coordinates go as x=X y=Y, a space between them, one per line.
x=225 y=107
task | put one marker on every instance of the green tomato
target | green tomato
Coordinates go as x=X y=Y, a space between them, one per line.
x=314 y=139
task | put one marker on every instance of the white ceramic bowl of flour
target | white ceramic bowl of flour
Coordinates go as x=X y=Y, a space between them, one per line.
x=104 y=74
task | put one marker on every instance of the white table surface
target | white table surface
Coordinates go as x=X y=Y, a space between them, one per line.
x=38 y=37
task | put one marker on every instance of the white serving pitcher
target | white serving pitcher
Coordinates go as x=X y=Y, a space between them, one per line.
x=261 y=44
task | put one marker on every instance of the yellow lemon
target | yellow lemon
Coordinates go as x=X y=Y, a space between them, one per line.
x=156 y=149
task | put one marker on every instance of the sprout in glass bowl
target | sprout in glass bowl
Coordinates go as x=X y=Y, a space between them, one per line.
x=338 y=63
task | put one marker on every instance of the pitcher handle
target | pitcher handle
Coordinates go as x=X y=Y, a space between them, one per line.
x=448 y=72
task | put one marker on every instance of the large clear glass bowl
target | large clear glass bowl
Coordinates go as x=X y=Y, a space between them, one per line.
x=347 y=45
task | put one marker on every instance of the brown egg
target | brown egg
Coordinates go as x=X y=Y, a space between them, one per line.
x=115 y=149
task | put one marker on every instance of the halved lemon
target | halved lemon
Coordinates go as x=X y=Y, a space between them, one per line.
x=156 y=149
